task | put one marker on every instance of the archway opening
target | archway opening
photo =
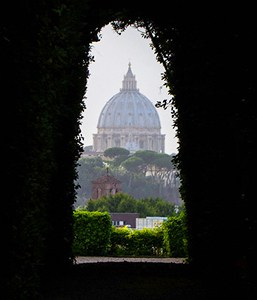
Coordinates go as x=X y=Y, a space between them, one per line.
x=111 y=56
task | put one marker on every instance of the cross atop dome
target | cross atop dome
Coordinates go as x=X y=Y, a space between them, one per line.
x=129 y=82
x=129 y=73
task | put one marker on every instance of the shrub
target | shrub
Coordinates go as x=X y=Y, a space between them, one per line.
x=175 y=236
x=119 y=241
x=94 y=235
x=92 y=231
x=146 y=242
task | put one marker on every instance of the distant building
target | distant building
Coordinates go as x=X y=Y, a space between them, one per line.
x=105 y=186
x=129 y=120
x=149 y=222
x=124 y=219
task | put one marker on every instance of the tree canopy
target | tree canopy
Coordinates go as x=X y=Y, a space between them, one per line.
x=115 y=152
x=143 y=174
x=122 y=202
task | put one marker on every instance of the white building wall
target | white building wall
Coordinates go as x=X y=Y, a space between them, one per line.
x=149 y=222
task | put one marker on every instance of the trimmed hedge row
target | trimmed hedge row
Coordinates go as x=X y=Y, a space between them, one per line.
x=92 y=231
x=129 y=242
x=95 y=235
x=175 y=236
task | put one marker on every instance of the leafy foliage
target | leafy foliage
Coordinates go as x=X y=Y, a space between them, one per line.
x=121 y=202
x=133 y=164
x=175 y=236
x=88 y=169
x=116 y=152
x=145 y=242
x=94 y=235
x=92 y=232
x=143 y=174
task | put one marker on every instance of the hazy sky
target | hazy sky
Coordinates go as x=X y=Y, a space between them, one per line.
x=112 y=55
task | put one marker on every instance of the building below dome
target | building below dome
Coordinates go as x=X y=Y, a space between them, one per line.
x=129 y=120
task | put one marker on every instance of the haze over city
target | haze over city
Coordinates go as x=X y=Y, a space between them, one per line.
x=112 y=54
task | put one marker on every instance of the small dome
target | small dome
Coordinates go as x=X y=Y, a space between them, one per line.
x=129 y=108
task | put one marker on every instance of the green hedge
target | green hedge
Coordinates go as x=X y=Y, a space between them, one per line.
x=94 y=235
x=92 y=232
x=175 y=236
x=128 y=242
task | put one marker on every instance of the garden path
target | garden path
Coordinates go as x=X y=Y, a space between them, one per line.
x=105 y=259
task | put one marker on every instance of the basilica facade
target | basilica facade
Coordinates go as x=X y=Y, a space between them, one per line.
x=129 y=120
